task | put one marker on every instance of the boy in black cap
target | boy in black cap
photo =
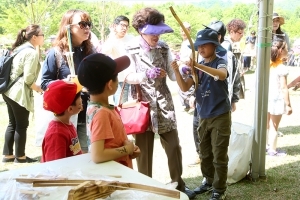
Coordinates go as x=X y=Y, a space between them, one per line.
x=99 y=74
x=214 y=110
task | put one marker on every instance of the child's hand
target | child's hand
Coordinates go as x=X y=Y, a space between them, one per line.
x=129 y=146
x=70 y=77
x=288 y=110
x=175 y=66
x=186 y=69
x=192 y=101
x=136 y=152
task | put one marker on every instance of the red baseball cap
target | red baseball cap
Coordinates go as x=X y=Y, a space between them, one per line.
x=60 y=94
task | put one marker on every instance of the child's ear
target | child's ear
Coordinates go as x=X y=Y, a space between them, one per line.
x=70 y=109
x=110 y=84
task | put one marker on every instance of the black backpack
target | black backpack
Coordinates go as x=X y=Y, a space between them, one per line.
x=5 y=68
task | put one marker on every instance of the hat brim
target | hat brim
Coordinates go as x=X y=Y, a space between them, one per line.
x=158 y=29
x=76 y=81
x=219 y=47
x=122 y=63
x=281 y=19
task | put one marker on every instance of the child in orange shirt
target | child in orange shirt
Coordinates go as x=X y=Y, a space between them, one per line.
x=99 y=74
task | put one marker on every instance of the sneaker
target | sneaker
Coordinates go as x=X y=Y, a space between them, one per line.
x=195 y=163
x=279 y=134
x=216 y=195
x=189 y=193
x=203 y=188
x=186 y=109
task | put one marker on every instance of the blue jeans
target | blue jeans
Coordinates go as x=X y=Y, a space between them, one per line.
x=118 y=93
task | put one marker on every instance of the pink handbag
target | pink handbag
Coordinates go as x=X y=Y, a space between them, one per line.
x=135 y=114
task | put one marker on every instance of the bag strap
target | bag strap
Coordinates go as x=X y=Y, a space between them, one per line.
x=122 y=90
x=137 y=88
x=10 y=85
x=13 y=55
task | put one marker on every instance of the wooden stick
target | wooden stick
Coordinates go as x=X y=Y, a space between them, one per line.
x=150 y=189
x=31 y=180
x=52 y=183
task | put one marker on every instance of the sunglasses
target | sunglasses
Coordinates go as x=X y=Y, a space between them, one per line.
x=84 y=24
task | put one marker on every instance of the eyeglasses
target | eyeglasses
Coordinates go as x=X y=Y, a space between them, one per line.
x=124 y=26
x=40 y=35
x=84 y=24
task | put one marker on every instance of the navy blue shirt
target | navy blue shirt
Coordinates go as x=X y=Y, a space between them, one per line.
x=211 y=95
x=51 y=72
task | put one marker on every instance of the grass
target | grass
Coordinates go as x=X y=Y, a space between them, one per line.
x=282 y=173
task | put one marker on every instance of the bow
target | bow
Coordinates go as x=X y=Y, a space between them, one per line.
x=194 y=74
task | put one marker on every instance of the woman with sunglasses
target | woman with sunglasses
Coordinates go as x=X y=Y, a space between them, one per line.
x=19 y=98
x=56 y=65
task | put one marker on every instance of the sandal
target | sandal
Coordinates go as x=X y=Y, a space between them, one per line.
x=278 y=152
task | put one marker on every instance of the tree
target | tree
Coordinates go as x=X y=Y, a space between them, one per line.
x=18 y=15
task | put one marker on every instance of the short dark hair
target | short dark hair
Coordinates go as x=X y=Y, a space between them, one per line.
x=100 y=88
x=277 y=44
x=121 y=18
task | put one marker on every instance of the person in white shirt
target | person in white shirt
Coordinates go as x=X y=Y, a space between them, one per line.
x=184 y=57
x=115 y=46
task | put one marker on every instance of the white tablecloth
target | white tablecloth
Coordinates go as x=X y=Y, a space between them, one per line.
x=83 y=166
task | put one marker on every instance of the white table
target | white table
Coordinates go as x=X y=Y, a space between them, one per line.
x=75 y=166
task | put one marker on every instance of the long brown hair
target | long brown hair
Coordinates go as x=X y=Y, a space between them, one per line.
x=278 y=45
x=26 y=34
x=61 y=40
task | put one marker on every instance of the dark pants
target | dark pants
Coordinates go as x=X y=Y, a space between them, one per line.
x=214 y=135
x=16 y=131
x=247 y=61
x=170 y=143
x=196 y=120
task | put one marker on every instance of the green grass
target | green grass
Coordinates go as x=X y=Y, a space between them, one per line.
x=282 y=173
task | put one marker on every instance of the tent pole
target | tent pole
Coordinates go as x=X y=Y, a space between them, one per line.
x=268 y=36
x=261 y=94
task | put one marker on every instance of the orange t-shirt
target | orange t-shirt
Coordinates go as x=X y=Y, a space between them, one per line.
x=105 y=124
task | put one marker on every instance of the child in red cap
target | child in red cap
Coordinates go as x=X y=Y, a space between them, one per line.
x=61 y=141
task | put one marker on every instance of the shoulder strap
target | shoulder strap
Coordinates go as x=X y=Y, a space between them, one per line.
x=19 y=50
x=13 y=55
x=58 y=60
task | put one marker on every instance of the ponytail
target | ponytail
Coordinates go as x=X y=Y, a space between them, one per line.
x=26 y=34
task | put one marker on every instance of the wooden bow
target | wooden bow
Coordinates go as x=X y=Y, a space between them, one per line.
x=194 y=74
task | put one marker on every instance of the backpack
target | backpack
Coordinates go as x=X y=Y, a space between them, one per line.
x=5 y=68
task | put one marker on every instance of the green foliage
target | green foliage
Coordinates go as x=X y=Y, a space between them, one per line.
x=17 y=14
